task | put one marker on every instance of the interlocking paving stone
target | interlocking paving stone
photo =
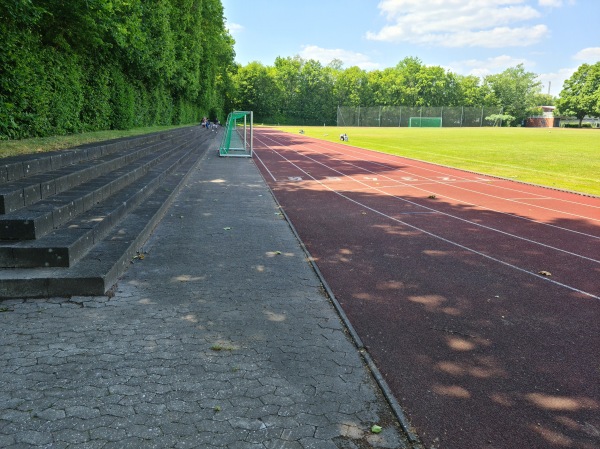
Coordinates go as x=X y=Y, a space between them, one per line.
x=220 y=337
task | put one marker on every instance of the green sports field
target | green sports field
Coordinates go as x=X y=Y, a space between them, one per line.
x=556 y=157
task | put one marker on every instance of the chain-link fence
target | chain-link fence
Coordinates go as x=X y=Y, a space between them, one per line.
x=456 y=116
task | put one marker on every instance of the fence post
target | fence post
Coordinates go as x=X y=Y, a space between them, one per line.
x=481 y=120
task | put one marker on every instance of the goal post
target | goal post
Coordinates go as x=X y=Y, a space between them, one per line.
x=238 y=137
x=425 y=122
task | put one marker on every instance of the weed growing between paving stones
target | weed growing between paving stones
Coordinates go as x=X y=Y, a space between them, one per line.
x=218 y=347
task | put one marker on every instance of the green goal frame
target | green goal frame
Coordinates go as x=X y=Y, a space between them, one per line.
x=425 y=122
x=239 y=135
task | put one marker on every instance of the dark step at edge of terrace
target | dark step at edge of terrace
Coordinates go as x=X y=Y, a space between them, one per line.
x=50 y=178
x=65 y=245
x=98 y=270
x=36 y=220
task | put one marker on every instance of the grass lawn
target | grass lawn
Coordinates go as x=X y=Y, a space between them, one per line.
x=555 y=157
x=43 y=144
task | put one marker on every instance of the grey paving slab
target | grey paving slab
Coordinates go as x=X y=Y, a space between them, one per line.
x=219 y=337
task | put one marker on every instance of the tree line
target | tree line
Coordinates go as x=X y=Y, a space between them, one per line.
x=87 y=65
x=69 y=67
x=298 y=91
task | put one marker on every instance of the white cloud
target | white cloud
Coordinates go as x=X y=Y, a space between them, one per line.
x=498 y=64
x=460 y=23
x=556 y=80
x=590 y=55
x=235 y=28
x=551 y=3
x=349 y=58
x=489 y=66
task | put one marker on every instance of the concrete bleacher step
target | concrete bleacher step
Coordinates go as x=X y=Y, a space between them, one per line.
x=63 y=246
x=35 y=185
x=86 y=254
x=16 y=167
x=38 y=219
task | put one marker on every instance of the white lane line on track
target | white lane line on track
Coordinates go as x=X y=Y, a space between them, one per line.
x=266 y=168
x=416 y=186
x=431 y=234
x=489 y=228
x=360 y=151
x=385 y=155
x=531 y=199
x=434 y=181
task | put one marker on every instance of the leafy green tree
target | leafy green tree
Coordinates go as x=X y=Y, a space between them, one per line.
x=411 y=83
x=472 y=92
x=315 y=93
x=256 y=90
x=287 y=79
x=351 y=87
x=436 y=87
x=408 y=76
x=386 y=88
x=541 y=99
x=98 y=64
x=580 y=95
x=515 y=90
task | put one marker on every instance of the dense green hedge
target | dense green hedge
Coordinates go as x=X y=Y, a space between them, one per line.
x=91 y=65
x=576 y=125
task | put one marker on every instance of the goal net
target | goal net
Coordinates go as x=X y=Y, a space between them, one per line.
x=425 y=122
x=237 y=139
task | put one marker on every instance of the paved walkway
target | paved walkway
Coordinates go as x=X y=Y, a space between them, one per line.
x=219 y=337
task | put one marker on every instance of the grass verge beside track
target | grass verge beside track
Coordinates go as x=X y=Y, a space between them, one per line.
x=43 y=144
x=561 y=158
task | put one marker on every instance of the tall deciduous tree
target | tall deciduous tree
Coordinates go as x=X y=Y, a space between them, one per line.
x=98 y=64
x=351 y=87
x=315 y=93
x=581 y=93
x=473 y=93
x=515 y=90
x=256 y=90
x=287 y=78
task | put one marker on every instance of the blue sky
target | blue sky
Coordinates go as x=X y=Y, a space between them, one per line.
x=480 y=37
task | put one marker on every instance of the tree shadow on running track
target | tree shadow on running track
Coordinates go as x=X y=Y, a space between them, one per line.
x=480 y=348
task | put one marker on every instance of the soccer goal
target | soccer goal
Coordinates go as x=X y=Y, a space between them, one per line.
x=425 y=122
x=237 y=139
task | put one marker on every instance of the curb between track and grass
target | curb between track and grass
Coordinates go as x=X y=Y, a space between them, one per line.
x=362 y=349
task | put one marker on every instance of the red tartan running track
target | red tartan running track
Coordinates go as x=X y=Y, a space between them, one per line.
x=478 y=298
